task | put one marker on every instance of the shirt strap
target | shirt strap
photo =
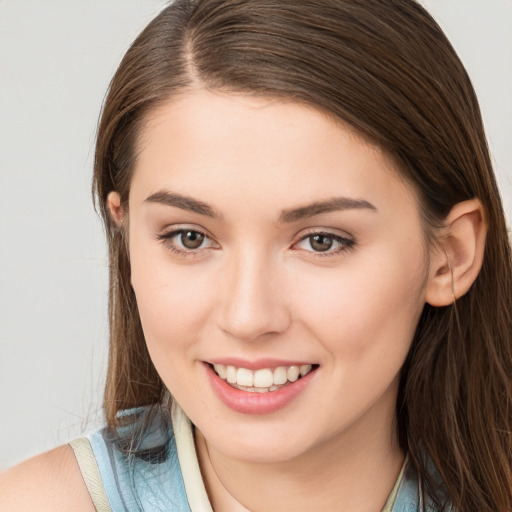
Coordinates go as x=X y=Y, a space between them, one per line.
x=187 y=456
x=90 y=473
x=390 y=502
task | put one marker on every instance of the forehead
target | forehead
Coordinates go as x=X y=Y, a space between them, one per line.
x=218 y=145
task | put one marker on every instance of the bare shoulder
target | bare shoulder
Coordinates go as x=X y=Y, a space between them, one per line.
x=48 y=482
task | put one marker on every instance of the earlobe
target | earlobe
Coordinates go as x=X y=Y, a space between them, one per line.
x=456 y=262
x=114 y=208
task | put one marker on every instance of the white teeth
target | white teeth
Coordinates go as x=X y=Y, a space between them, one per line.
x=253 y=389
x=280 y=376
x=230 y=374
x=263 y=380
x=221 y=370
x=244 y=377
x=293 y=373
x=305 y=369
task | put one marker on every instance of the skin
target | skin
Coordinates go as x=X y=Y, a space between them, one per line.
x=257 y=288
x=49 y=482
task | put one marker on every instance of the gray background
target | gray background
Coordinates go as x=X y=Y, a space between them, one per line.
x=56 y=59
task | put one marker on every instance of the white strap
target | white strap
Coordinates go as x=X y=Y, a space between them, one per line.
x=390 y=503
x=91 y=473
x=194 y=485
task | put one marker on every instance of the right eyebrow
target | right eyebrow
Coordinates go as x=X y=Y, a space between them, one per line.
x=319 y=207
x=183 y=202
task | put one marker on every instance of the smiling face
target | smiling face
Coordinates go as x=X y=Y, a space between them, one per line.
x=267 y=241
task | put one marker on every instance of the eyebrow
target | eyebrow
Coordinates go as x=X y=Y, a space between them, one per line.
x=183 y=202
x=329 y=205
x=287 y=216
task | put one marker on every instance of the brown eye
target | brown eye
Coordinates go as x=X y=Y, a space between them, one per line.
x=321 y=242
x=325 y=244
x=187 y=243
x=191 y=239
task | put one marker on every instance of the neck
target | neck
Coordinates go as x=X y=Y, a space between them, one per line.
x=336 y=475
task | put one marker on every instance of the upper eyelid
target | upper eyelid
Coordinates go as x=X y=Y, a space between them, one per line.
x=345 y=240
x=178 y=228
x=323 y=231
x=339 y=238
x=166 y=239
x=171 y=232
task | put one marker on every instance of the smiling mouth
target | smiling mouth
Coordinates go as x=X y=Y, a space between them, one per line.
x=264 y=380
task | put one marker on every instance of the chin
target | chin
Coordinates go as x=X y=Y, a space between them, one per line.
x=261 y=445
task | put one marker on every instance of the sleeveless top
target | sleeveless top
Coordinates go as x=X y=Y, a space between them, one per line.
x=149 y=464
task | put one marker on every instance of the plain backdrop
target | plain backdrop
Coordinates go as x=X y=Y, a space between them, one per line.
x=56 y=60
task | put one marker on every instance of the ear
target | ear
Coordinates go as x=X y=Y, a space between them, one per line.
x=114 y=208
x=457 y=260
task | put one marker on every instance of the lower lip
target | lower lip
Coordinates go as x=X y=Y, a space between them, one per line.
x=256 y=403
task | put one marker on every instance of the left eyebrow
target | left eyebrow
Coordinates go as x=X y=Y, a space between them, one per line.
x=184 y=203
x=330 y=205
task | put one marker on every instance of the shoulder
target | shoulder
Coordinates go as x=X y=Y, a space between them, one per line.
x=48 y=482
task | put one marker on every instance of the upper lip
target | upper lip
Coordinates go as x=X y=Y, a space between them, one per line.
x=256 y=364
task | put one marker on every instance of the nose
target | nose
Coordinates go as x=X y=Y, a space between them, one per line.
x=254 y=301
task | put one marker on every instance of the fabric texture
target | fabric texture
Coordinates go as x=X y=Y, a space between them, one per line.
x=139 y=464
x=150 y=465
x=91 y=473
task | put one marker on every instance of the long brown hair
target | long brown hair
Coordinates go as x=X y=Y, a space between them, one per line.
x=385 y=68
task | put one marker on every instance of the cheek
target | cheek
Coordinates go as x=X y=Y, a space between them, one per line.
x=172 y=300
x=172 y=310
x=372 y=304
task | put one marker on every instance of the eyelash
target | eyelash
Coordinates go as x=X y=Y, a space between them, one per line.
x=345 y=243
x=167 y=240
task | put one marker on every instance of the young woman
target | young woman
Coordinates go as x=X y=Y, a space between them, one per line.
x=310 y=272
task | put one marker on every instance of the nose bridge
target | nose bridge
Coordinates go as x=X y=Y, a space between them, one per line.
x=252 y=300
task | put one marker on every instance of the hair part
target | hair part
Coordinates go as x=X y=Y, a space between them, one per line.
x=385 y=69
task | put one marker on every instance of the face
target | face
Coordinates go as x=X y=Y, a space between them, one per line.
x=280 y=270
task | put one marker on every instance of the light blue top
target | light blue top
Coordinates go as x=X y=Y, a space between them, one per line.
x=141 y=471
x=139 y=464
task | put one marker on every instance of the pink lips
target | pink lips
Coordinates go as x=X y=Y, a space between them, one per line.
x=247 y=402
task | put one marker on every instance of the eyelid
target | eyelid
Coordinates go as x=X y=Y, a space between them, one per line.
x=346 y=241
x=176 y=228
x=166 y=235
